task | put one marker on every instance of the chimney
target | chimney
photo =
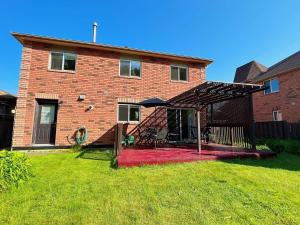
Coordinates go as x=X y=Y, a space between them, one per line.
x=94 y=31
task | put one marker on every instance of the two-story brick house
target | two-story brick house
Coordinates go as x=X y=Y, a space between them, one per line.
x=67 y=84
x=281 y=101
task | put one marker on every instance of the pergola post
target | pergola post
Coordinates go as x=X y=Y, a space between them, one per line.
x=118 y=139
x=199 y=131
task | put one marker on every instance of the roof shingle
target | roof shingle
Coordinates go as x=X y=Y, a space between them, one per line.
x=248 y=72
x=124 y=50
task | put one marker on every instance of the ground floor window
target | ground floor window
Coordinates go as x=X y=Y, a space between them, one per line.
x=128 y=113
x=277 y=116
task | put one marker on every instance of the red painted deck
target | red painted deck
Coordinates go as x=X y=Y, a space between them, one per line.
x=139 y=157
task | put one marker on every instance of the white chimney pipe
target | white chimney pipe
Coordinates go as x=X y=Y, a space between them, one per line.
x=94 y=31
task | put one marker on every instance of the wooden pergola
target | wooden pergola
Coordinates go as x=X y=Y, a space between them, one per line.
x=212 y=92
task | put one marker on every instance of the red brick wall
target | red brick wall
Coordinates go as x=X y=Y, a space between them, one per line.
x=287 y=100
x=96 y=76
x=19 y=123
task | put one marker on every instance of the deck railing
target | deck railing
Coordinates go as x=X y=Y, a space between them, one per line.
x=231 y=135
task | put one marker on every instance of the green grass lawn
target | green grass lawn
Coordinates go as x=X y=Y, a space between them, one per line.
x=68 y=189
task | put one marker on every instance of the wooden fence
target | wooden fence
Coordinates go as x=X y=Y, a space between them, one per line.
x=6 y=129
x=238 y=136
x=277 y=129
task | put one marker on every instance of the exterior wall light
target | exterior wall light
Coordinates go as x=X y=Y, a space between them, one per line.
x=91 y=107
x=81 y=97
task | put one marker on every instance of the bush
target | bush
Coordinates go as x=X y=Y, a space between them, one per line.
x=262 y=147
x=281 y=145
x=14 y=169
x=76 y=148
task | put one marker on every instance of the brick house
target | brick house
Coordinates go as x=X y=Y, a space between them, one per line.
x=67 y=84
x=281 y=101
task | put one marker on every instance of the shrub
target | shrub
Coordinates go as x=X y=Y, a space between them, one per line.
x=76 y=148
x=292 y=146
x=275 y=144
x=262 y=147
x=261 y=141
x=14 y=169
x=281 y=145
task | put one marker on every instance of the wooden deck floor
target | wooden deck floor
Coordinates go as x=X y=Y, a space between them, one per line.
x=138 y=156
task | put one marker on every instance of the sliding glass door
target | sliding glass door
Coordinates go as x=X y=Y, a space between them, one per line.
x=180 y=123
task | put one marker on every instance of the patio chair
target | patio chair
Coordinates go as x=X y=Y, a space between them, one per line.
x=131 y=140
x=206 y=134
x=162 y=135
x=173 y=136
x=124 y=140
x=194 y=133
x=142 y=135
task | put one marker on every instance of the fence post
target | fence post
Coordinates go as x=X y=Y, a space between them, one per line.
x=252 y=124
x=231 y=138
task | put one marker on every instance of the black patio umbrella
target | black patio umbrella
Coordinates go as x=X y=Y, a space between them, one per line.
x=153 y=102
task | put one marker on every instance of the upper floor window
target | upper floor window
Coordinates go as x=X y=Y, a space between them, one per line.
x=130 y=68
x=128 y=113
x=62 y=61
x=273 y=86
x=179 y=73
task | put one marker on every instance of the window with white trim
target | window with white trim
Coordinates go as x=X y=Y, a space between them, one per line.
x=277 y=116
x=273 y=86
x=179 y=73
x=63 y=61
x=128 y=113
x=130 y=68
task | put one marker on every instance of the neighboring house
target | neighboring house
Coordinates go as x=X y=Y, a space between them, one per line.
x=7 y=106
x=67 y=84
x=281 y=101
x=247 y=72
x=7 y=103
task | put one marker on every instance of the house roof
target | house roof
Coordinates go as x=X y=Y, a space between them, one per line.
x=248 y=72
x=288 y=64
x=124 y=50
x=6 y=95
x=3 y=92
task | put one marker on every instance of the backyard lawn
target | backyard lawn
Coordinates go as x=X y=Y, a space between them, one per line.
x=73 y=188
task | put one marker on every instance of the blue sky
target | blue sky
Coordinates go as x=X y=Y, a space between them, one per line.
x=230 y=32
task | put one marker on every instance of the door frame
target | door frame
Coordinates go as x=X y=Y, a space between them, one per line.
x=39 y=102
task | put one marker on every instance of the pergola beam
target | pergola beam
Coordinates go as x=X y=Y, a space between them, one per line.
x=222 y=98
x=213 y=92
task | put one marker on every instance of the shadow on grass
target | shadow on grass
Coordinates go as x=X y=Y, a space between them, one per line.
x=281 y=161
x=99 y=154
